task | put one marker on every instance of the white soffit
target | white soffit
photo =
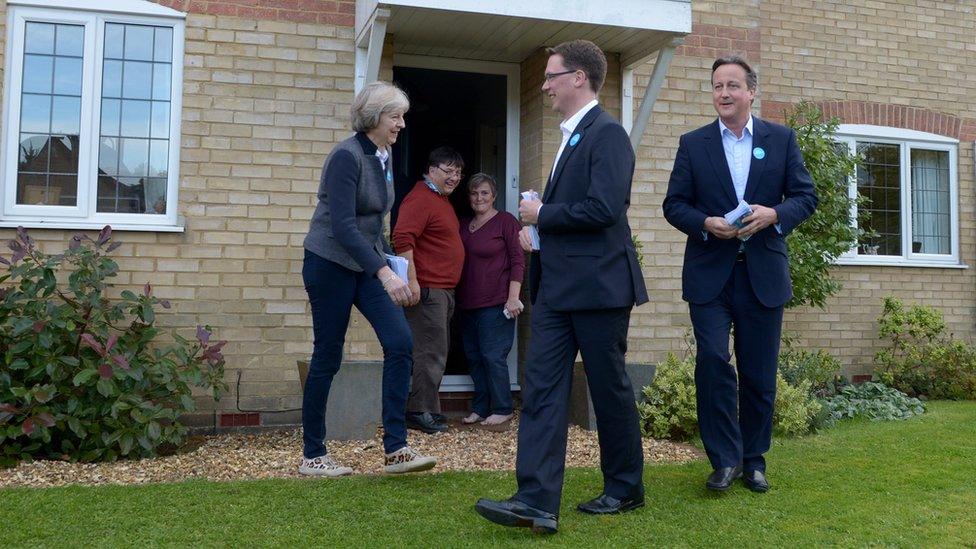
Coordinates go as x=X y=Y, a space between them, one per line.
x=510 y=30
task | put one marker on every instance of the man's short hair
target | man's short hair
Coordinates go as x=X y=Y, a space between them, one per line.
x=752 y=79
x=583 y=55
x=372 y=101
x=446 y=156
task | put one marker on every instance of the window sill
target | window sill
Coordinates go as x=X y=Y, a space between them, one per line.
x=898 y=263
x=88 y=225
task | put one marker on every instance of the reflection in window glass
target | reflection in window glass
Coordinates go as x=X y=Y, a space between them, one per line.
x=50 y=114
x=133 y=168
x=879 y=179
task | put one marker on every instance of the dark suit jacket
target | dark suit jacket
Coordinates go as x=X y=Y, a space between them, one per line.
x=701 y=186
x=587 y=258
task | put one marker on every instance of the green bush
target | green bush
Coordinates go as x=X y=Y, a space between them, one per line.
x=921 y=358
x=873 y=400
x=818 y=368
x=669 y=409
x=82 y=376
x=796 y=411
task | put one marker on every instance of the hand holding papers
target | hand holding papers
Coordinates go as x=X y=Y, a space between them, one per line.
x=734 y=217
x=533 y=231
x=399 y=266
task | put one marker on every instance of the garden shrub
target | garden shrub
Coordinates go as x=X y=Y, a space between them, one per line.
x=873 y=400
x=668 y=410
x=921 y=358
x=818 y=368
x=796 y=410
x=83 y=377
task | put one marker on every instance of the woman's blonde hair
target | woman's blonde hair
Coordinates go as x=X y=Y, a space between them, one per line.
x=375 y=99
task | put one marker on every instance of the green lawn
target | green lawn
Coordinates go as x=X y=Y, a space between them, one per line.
x=909 y=483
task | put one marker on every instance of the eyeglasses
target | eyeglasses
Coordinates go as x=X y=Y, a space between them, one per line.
x=451 y=173
x=550 y=75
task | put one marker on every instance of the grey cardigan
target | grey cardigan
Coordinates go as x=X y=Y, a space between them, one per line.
x=354 y=197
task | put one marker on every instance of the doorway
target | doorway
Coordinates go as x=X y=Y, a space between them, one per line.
x=471 y=106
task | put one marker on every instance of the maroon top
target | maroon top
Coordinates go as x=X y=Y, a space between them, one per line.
x=492 y=259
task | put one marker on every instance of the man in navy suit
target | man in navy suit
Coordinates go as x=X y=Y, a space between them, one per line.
x=737 y=276
x=584 y=280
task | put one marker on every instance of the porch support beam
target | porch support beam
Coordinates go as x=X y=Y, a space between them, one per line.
x=664 y=57
x=369 y=48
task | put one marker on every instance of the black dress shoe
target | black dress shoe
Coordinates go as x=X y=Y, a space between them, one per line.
x=512 y=512
x=424 y=421
x=756 y=481
x=439 y=418
x=721 y=479
x=609 y=505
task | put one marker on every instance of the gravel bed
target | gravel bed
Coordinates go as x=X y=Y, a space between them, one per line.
x=275 y=454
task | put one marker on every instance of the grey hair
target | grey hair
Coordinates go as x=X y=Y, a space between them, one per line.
x=373 y=100
x=479 y=179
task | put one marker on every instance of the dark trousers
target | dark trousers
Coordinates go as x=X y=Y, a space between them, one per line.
x=430 y=324
x=487 y=337
x=736 y=417
x=332 y=291
x=601 y=338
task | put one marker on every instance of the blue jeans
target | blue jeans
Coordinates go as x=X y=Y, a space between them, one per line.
x=487 y=337
x=332 y=291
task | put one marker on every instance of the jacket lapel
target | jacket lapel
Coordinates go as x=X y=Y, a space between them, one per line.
x=716 y=153
x=756 y=166
x=570 y=148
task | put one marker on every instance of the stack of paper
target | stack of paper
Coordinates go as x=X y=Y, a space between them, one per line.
x=734 y=217
x=399 y=266
x=533 y=231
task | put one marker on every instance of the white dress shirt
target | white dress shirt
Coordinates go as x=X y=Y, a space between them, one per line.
x=568 y=126
x=738 y=155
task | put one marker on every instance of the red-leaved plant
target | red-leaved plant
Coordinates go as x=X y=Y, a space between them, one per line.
x=82 y=376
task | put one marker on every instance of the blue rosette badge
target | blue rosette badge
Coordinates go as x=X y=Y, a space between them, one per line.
x=574 y=140
x=758 y=153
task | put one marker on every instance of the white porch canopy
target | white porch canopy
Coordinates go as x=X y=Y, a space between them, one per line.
x=511 y=30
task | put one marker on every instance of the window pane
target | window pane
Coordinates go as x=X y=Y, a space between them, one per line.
x=110 y=116
x=114 y=35
x=930 y=202
x=31 y=189
x=70 y=40
x=158 y=158
x=112 y=79
x=38 y=73
x=108 y=156
x=66 y=115
x=120 y=195
x=39 y=38
x=138 y=42
x=67 y=75
x=160 y=119
x=33 y=154
x=136 y=80
x=164 y=44
x=135 y=118
x=62 y=190
x=35 y=113
x=161 y=81
x=156 y=196
x=134 y=160
x=64 y=154
x=878 y=178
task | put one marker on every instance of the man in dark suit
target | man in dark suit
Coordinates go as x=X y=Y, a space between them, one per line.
x=584 y=281
x=737 y=276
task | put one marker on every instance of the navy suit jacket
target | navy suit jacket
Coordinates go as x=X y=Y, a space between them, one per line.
x=587 y=258
x=701 y=186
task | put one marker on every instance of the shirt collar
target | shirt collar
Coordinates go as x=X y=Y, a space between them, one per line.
x=431 y=186
x=568 y=126
x=722 y=128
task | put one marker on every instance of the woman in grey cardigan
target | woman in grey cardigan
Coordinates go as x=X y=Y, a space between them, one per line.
x=345 y=265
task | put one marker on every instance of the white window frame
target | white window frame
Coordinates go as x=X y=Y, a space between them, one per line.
x=85 y=215
x=907 y=140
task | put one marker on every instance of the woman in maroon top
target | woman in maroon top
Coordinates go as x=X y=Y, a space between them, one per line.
x=487 y=299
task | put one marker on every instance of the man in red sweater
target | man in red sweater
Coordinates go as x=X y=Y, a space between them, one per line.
x=428 y=236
